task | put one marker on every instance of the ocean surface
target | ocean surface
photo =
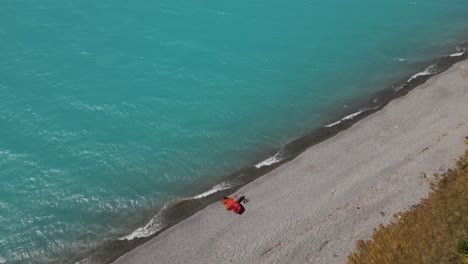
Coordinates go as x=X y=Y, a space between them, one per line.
x=110 y=110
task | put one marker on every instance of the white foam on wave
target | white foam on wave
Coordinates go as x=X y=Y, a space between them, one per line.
x=154 y=225
x=217 y=188
x=271 y=160
x=352 y=116
x=333 y=124
x=348 y=117
x=83 y=261
x=431 y=70
x=458 y=54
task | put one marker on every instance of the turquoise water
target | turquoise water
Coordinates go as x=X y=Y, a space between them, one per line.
x=110 y=109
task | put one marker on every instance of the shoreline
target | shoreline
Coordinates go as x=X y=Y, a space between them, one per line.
x=181 y=210
x=313 y=209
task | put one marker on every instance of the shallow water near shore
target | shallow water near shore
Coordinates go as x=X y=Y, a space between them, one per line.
x=110 y=110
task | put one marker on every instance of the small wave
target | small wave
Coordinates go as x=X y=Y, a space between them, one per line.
x=271 y=160
x=217 y=188
x=458 y=54
x=88 y=107
x=8 y=155
x=156 y=223
x=53 y=172
x=153 y=226
x=216 y=12
x=62 y=135
x=4 y=152
x=333 y=124
x=352 y=116
x=431 y=70
x=84 y=261
x=348 y=117
x=89 y=260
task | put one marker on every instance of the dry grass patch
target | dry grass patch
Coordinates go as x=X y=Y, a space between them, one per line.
x=435 y=231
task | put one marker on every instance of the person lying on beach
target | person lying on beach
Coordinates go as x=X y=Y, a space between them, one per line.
x=234 y=205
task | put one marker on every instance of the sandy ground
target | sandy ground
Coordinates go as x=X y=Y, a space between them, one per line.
x=314 y=208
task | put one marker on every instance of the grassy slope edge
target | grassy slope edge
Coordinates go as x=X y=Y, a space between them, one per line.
x=432 y=232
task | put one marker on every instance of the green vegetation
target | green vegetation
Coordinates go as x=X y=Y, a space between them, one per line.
x=435 y=231
x=463 y=247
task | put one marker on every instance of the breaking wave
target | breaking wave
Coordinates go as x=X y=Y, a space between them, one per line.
x=431 y=70
x=157 y=222
x=271 y=160
x=219 y=187
x=458 y=54
x=154 y=225
x=352 y=116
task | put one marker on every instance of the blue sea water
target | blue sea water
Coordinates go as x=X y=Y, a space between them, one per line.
x=111 y=109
